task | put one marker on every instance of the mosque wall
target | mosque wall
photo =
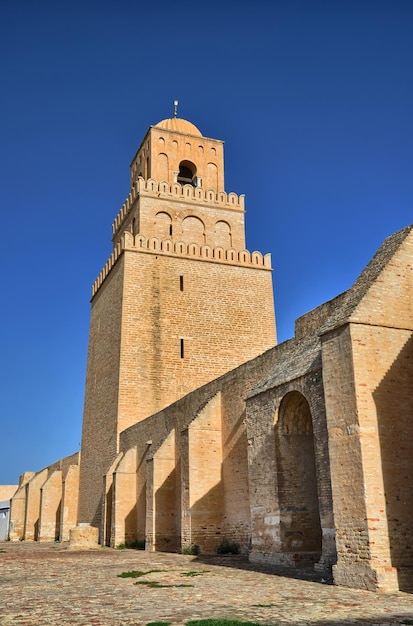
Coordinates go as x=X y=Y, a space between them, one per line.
x=194 y=453
x=44 y=506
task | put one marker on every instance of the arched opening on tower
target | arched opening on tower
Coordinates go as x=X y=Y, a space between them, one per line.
x=223 y=237
x=300 y=527
x=163 y=225
x=187 y=173
x=193 y=230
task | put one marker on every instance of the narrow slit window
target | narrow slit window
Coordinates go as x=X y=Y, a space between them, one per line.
x=182 y=348
x=170 y=229
x=181 y=283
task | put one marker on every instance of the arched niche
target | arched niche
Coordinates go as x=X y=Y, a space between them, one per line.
x=193 y=230
x=300 y=527
x=222 y=235
x=212 y=177
x=163 y=225
x=162 y=166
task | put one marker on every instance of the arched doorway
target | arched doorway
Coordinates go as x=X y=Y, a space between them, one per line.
x=300 y=527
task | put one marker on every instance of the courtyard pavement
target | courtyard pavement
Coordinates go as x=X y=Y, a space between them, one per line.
x=50 y=585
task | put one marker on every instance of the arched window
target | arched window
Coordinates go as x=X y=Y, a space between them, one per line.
x=187 y=173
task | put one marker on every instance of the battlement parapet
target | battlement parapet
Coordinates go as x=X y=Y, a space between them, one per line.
x=107 y=267
x=185 y=193
x=167 y=247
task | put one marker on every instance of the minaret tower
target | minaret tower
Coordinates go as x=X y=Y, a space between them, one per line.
x=179 y=302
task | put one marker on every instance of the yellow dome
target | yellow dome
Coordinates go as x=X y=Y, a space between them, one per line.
x=179 y=125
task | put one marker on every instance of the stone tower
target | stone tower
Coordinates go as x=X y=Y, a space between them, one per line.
x=179 y=302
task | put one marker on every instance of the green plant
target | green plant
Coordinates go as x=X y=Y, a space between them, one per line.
x=137 y=573
x=226 y=547
x=155 y=585
x=223 y=622
x=192 y=549
x=193 y=573
x=158 y=623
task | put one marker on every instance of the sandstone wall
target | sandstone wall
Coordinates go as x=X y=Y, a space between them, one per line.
x=44 y=506
x=100 y=429
x=289 y=471
x=161 y=326
x=194 y=454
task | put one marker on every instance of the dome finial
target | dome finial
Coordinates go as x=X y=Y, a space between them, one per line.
x=176 y=108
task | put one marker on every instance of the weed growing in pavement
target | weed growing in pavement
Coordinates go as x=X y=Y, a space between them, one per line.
x=137 y=573
x=155 y=585
x=193 y=573
x=264 y=606
x=158 y=623
x=223 y=622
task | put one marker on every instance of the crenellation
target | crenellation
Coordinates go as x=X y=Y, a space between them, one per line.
x=166 y=247
x=186 y=193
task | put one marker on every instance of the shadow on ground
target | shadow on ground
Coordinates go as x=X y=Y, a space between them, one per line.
x=302 y=572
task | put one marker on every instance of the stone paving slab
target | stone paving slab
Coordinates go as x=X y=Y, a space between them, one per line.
x=51 y=585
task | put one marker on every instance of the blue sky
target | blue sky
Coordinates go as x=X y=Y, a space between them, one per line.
x=313 y=99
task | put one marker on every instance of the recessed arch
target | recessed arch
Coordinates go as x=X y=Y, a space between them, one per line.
x=163 y=166
x=193 y=230
x=163 y=225
x=295 y=415
x=222 y=237
x=212 y=176
x=300 y=527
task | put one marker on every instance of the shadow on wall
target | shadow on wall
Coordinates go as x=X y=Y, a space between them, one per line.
x=58 y=517
x=394 y=405
x=201 y=510
x=168 y=515
x=300 y=527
